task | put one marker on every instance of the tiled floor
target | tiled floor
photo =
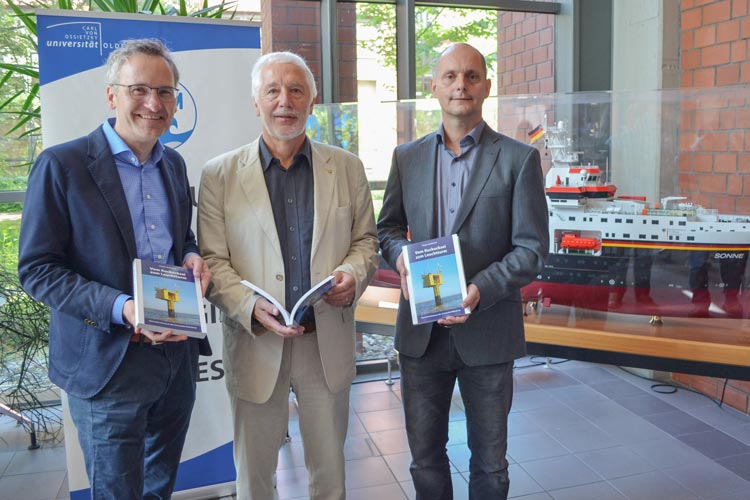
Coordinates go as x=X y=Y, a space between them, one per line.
x=578 y=431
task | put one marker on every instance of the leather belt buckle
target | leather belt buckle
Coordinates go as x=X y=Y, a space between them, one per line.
x=139 y=338
x=309 y=326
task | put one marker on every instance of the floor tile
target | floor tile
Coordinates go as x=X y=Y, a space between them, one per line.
x=616 y=388
x=357 y=447
x=583 y=436
x=645 y=404
x=666 y=452
x=367 y=472
x=574 y=394
x=534 y=446
x=560 y=472
x=460 y=488
x=723 y=418
x=521 y=483
x=708 y=479
x=655 y=485
x=383 y=420
x=564 y=436
x=382 y=492
x=390 y=442
x=678 y=423
x=531 y=400
x=40 y=460
x=592 y=491
x=740 y=433
x=715 y=444
x=291 y=455
x=5 y=458
x=519 y=424
x=46 y=485
x=615 y=462
x=291 y=483
x=374 y=401
x=399 y=464
x=739 y=464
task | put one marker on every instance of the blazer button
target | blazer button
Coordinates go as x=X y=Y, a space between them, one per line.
x=279 y=277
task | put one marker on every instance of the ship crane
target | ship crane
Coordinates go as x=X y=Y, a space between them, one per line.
x=170 y=297
x=434 y=280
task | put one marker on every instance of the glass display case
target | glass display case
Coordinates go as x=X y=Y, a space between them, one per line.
x=648 y=199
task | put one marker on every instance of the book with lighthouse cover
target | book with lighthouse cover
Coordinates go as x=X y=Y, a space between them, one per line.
x=436 y=281
x=168 y=298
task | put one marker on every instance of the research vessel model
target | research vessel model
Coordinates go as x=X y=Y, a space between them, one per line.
x=624 y=254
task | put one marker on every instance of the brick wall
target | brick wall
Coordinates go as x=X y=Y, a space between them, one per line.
x=525 y=65
x=525 y=53
x=715 y=133
x=295 y=26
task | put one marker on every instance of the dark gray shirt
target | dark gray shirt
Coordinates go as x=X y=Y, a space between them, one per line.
x=291 y=193
x=452 y=175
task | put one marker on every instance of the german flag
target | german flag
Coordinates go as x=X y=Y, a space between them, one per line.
x=535 y=134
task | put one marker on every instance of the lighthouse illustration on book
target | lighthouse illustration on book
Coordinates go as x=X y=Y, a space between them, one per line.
x=437 y=264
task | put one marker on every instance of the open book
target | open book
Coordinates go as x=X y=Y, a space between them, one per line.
x=436 y=282
x=309 y=299
x=168 y=298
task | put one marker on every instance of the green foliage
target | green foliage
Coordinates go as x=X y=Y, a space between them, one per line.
x=10 y=228
x=24 y=336
x=337 y=125
x=435 y=29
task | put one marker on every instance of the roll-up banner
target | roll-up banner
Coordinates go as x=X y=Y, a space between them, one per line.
x=214 y=114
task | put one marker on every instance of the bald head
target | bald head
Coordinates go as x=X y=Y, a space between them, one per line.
x=461 y=47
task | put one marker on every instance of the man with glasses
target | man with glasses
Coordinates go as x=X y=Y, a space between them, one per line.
x=92 y=206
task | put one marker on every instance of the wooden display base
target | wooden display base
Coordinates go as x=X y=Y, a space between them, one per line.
x=701 y=346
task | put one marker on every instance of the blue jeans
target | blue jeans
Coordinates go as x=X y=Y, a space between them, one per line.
x=487 y=392
x=132 y=432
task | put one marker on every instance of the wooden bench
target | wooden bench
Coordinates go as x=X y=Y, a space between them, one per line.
x=704 y=346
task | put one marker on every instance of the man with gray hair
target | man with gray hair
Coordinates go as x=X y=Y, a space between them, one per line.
x=92 y=206
x=284 y=212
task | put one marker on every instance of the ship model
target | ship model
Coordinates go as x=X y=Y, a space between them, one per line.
x=626 y=255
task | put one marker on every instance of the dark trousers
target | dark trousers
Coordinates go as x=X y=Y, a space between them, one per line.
x=132 y=432
x=487 y=391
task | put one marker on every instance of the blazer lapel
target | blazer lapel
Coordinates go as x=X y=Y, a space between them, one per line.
x=484 y=161
x=324 y=182
x=104 y=173
x=253 y=183
x=424 y=178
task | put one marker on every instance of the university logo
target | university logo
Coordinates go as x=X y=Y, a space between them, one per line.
x=184 y=120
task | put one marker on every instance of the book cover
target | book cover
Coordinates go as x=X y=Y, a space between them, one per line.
x=312 y=296
x=436 y=281
x=168 y=298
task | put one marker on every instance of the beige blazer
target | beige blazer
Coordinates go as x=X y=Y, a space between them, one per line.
x=237 y=237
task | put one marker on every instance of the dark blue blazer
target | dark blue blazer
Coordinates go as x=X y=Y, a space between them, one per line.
x=76 y=250
x=503 y=230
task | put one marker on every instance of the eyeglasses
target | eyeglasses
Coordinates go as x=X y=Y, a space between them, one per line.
x=139 y=92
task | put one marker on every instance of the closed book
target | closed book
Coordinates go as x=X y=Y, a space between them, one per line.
x=436 y=281
x=168 y=298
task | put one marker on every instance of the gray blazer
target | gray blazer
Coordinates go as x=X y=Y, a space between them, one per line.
x=502 y=225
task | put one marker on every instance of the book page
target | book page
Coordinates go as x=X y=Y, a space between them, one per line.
x=284 y=313
x=311 y=297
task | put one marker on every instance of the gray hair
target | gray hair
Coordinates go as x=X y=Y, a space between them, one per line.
x=128 y=48
x=282 y=58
